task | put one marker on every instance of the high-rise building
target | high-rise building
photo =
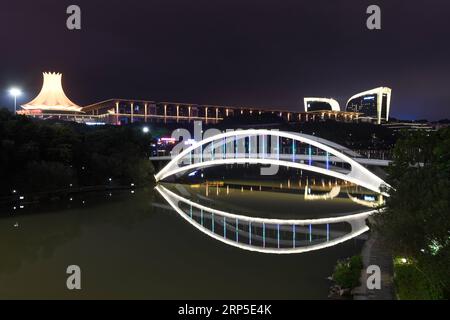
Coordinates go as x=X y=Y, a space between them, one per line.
x=373 y=104
x=320 y=104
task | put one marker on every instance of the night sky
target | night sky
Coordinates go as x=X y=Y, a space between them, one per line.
x=231 y=52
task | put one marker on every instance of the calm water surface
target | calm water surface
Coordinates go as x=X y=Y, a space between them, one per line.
x=134 y=245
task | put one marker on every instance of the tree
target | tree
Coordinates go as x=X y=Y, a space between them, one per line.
x=38 y=155
x=416 y=221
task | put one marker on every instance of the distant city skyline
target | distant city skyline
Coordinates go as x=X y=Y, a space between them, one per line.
x=257 y=53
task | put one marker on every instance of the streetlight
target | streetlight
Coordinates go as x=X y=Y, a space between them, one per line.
x=15 y=92
x=145 y=130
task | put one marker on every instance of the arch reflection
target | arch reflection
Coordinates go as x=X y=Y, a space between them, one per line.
x=267 y=235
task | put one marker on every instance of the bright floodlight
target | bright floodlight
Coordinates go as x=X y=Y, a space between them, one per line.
x=15 y=92
x=145 y=129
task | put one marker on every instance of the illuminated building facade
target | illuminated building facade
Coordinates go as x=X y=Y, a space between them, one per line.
x=52 y=98
x=374 y=105
x=320 y=104
x=123 y=111
x=326 y=108
x=52 y=102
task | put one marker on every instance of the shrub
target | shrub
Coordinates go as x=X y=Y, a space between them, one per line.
x=347 y=272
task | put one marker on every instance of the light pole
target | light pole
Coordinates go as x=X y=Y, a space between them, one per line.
x=15 y=92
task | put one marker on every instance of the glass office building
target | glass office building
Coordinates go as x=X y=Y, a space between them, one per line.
x=374 y=105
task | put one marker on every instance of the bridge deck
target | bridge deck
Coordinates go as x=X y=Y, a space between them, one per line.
x=364 y=161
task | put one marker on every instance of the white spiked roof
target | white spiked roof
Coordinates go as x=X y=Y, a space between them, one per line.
x=52 y=96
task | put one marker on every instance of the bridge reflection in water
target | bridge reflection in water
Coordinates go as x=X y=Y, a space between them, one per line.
x=267 y=235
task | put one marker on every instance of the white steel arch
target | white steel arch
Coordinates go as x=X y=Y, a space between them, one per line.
x=358 y=174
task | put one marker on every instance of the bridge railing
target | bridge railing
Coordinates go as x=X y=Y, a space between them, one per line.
x=262 y=147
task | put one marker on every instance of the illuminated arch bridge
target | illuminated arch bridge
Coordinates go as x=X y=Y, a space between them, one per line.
x=273 y=148
x=266 y=235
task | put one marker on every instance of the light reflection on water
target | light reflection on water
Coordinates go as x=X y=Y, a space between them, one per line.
x=135 y=246
x=261 y=234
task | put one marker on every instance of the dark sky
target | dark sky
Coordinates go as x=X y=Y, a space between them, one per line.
x=231 y=52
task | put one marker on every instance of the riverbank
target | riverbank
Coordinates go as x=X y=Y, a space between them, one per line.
x=43 y=156
x=18 y=200
x=375 y=252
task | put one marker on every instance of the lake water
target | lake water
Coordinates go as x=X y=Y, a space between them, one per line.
x=136 y=246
